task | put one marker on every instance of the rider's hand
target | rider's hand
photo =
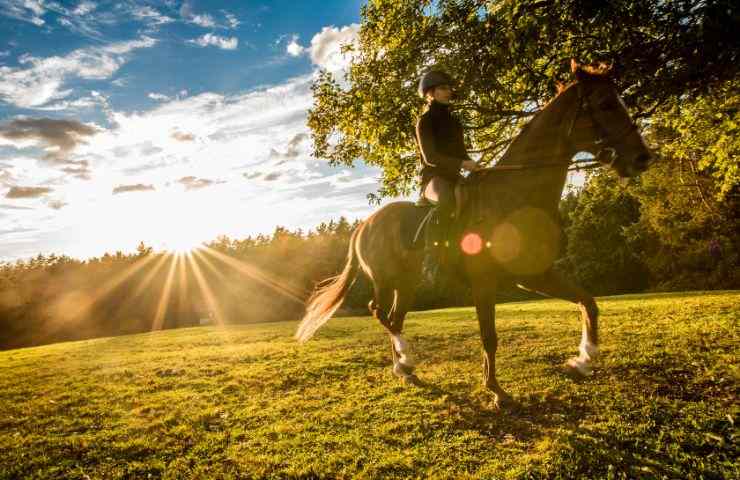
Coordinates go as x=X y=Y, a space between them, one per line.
x=470 y=165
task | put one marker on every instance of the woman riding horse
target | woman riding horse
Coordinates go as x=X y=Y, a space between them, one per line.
x=440 y=138
x=511 y=237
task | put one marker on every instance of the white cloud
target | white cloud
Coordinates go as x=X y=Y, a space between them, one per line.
x=231 y=20
x=26 y=10
x=294 y=48
x=177 y=146
x=41 y=80
x=216 y=41
x=326 y=47
x=121 y=48
x=159 y=97
x=149 y=14
x=203 y=20
x=77 y=104
x=84 y=7
x=82 y=20
x=79 y=26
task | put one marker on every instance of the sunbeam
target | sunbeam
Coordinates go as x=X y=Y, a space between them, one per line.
x=257 y=274
x=164 y=299
x=148 y=278
x=182 y=284
x=206 y=291
x=75 y=304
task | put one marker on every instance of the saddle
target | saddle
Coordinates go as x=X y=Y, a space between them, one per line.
x=415 y=224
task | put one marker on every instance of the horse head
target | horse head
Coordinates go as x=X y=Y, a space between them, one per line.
x=601 y=124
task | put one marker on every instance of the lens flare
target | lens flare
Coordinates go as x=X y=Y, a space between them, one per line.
x=471 y=244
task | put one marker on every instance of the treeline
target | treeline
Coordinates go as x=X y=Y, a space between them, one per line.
x=52 y=298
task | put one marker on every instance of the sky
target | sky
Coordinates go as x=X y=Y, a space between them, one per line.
x=169 y=122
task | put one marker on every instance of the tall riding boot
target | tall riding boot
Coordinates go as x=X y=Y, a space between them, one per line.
x=439 y=239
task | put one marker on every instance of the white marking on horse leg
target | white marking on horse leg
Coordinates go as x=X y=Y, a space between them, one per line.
x=402 y=348
x=588 y=352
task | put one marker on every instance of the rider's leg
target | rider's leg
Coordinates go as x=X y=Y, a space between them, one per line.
x=441 y=192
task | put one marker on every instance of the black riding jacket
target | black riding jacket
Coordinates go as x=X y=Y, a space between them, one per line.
x=440 y=139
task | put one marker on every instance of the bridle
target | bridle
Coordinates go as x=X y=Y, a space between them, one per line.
x=605 y=140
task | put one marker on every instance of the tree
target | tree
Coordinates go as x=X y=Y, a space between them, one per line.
x=508 y=56
x=597 y=254
x=690 y=199
x=142 y=250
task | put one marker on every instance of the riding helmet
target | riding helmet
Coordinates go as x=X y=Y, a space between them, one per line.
x=434 y=78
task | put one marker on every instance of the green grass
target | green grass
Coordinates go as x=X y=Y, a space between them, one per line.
x=248 y=402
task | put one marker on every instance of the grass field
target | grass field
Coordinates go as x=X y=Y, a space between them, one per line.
x=248 y=402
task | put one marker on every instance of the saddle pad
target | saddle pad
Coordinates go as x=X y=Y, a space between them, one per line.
x=412 y=226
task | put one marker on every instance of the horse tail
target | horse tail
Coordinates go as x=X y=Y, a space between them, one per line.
x=329 y=296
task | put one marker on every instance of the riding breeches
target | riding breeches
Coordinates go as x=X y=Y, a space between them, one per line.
x=441 y=191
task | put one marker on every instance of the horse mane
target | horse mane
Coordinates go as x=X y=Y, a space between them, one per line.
x=582 y=73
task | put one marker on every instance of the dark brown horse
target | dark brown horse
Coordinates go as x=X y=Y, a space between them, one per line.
x=510 y=223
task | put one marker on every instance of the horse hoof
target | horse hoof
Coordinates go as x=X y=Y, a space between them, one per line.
x=578 y=368
x=503 y=401
x=402 y=371
x=411 y=380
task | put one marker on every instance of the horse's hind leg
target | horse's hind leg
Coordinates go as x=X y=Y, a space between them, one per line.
x=382 y=303
x=390 y=307
x=554 y=285
x=403 y=361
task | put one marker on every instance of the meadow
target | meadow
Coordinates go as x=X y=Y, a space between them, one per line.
x=249 y=402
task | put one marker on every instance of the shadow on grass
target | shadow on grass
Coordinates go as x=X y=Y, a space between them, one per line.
x=527 y=418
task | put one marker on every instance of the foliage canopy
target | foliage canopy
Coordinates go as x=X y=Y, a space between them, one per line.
x=507 y=56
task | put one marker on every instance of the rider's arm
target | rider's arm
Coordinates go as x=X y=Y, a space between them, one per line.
x=467 y=163
x=430 y=155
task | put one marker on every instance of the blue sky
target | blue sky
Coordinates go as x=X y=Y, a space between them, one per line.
x=166 y=122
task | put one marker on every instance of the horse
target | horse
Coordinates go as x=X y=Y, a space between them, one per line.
x=509 y=224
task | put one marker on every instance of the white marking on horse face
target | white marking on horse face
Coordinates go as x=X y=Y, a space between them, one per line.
x=402 y=348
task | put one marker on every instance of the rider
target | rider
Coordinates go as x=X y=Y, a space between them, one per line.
x=440 y=138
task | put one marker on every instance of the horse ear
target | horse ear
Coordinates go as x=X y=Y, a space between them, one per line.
x=577 y=70
x=574 y=66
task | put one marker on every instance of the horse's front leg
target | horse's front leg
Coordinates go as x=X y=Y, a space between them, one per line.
x=485 y=304
x=554 y=285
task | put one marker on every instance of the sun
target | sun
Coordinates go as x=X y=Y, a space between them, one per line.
x=182 y=245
